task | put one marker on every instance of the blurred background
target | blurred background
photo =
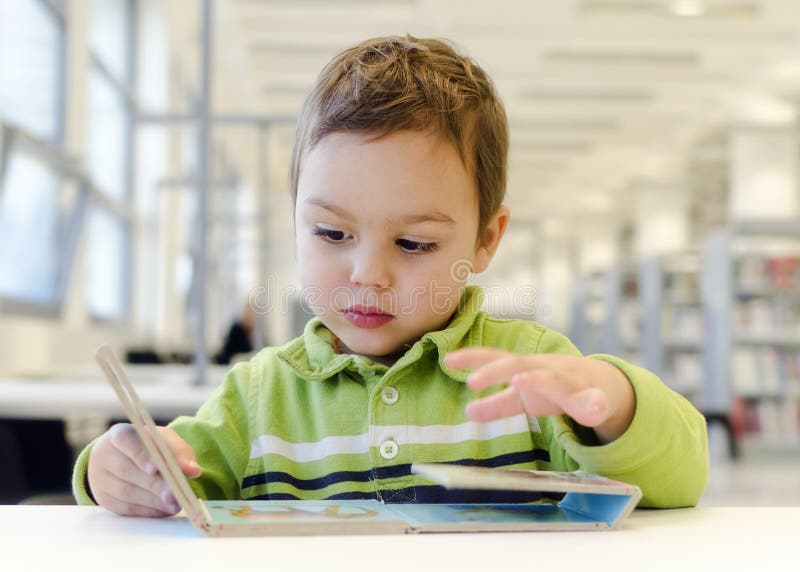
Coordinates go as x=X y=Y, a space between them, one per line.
x=653 y=182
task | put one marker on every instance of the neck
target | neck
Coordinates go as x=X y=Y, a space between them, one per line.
x=388 y=360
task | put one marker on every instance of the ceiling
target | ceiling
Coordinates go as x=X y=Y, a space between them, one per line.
x=602 y=95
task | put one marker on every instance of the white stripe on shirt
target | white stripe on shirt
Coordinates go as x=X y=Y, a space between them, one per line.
x=401 y=434
x=307 y=452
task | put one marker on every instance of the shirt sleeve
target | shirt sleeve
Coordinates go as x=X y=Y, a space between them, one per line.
x=664 y=451
x=219 y=435
x=80 y=488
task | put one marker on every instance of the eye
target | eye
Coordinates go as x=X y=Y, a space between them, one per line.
x=330 y=235
x=414 y=247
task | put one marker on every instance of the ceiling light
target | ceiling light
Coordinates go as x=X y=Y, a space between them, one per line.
x=713 y=9
x=688 y=8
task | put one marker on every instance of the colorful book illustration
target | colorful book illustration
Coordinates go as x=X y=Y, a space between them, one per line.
x=590 y=502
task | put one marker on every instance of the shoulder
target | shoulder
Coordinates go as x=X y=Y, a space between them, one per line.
x=522 y=336
x=267 y=357
x=271 y=362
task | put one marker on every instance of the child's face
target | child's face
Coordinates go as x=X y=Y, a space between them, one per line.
x=385 y=232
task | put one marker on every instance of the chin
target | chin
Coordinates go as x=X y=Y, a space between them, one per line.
x=371 y=349
x=363 y=345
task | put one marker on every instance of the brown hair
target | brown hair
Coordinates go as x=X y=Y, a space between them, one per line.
x=384 y=85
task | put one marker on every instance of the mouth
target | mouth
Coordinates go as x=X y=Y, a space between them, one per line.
x=366 y=311
x=367 y=317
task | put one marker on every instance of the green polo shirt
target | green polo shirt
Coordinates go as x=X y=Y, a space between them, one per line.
x=303 y=422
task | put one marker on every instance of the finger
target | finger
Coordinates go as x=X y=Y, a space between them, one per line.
x=183 y=452
x=125 y=439
x=128 y=492
x=543 y=392
x=473 y=357
x=123 y=469
x=500 y=370
x=501 y=404
x=127 y=508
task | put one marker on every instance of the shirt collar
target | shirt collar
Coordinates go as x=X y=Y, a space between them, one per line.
x=313 y=358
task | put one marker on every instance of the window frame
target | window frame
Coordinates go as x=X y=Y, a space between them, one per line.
x=120 y=209
x=50 y=154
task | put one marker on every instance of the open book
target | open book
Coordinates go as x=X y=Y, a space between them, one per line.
x=590 y=501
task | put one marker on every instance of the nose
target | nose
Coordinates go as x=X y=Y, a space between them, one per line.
x=370 y=267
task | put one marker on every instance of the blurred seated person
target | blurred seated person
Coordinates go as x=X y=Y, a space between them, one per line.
x=239 y=339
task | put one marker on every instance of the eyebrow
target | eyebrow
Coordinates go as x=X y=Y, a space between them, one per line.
x=435 y=216
x=322 y=203
x=429 y=217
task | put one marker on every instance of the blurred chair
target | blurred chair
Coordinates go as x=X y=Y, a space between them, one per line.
x=36 y=459
x=12 y=476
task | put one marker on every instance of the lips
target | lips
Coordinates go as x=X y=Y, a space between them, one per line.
x=367 y=310
x=367 y=317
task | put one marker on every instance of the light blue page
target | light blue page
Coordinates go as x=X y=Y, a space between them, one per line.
x=420 y=515
x=300 y=512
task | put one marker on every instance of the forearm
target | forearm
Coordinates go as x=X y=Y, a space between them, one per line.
x=621 y=400
x=664 y=450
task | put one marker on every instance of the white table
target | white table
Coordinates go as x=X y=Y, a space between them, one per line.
x=708 y=539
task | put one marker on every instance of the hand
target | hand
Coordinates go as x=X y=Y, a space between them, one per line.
x=124 y=480
x=594 y=393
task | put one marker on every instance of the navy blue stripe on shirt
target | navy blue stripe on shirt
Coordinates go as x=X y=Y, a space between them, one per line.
x=378 y=473
x=306 y=484
x=353 y=495
x=431 y=495
x=507 y=459
x=436 y=494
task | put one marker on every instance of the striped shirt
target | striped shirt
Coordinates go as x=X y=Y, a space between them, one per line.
x=303 y=422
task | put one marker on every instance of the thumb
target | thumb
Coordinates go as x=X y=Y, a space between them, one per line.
x=183 y=452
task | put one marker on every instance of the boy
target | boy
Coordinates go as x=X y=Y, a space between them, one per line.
x=398 y=179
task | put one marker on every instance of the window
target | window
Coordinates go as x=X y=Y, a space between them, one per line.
x=110 y=36
x=108 y=137
x=109 y=158
x=107 y=290
x=31 y=48
x=33 y=245
x=28 y=241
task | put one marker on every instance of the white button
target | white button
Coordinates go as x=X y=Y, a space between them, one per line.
x=389 y=395
x=389 y=449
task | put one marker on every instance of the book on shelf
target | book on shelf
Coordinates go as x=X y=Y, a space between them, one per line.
x=630 y=324
x=757 y=272
x=589 y=502
x=682 y=286
x=765 y=371
x=768 y=316
x=684 y=374
x=682 y=323
x=772 y=423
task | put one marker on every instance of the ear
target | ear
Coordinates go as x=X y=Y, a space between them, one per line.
x=489 y=238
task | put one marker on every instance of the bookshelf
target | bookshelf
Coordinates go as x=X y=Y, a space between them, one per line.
x=720 y=326
x=630 y=314
x=753 y=367
x=649 y=313
x=673 y=322
x=605 y=316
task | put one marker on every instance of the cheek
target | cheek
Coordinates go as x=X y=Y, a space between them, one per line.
x=455 y=266
x=316 y=264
